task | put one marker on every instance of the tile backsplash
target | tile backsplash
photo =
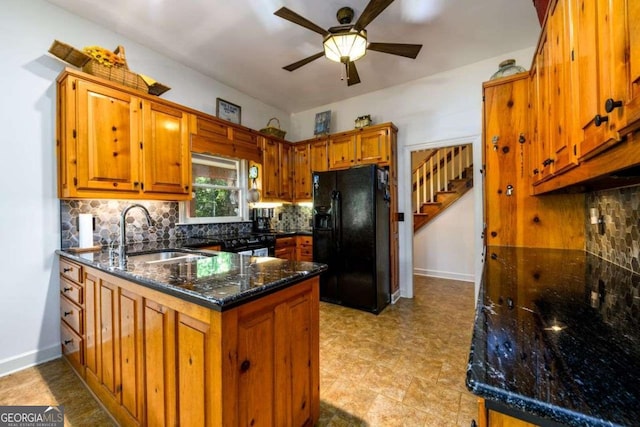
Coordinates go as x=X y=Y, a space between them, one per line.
x=620 y=210
x=106 y=214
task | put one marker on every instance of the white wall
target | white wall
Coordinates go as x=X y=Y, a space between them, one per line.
x=445 y=246
x=29 y=218
x=441 y=107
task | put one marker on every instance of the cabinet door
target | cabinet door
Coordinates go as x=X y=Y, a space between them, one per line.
x=540 y=163
x=372 y=147
x=342 y=151
x=633 y=25
x=160 y=382
x=562 y=154
x=270 y=169
x=301 y=172
x=193 y=371
x=165 y=150
x=318 y=156
x=108 y=139
x=285 y=190
x=600 y=59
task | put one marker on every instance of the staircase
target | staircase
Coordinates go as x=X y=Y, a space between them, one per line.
x=439 y=180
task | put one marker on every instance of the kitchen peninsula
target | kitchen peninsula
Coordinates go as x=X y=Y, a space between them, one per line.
x=195 y=337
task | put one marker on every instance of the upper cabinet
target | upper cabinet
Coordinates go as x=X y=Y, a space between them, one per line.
x=277 y=170
x=370 y=145
x=301 y=172
x=216 y=137
x=115 y=143
x=584 y=89
x=600 y=75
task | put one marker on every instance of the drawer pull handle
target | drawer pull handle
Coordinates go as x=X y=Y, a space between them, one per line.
x=67 y=289
x=67 y=342
x=611 y=105
x=68 y=313
x=66 y=270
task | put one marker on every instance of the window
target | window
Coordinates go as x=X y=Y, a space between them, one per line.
x=218 y=192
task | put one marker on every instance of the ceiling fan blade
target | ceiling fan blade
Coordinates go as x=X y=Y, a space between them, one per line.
x=352 y=74
x=290 y=15
x=400 y=49
x=304 y=61
x=371 y=11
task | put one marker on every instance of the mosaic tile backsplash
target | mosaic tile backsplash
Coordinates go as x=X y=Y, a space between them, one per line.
x=106 y=214
x=620 y=243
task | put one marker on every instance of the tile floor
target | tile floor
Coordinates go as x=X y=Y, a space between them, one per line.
x=405 y=367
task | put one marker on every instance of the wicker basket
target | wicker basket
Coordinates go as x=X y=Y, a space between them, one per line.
x=116 y=73
x=272 y=130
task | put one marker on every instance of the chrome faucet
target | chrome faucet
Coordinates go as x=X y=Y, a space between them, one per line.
x=123 y=227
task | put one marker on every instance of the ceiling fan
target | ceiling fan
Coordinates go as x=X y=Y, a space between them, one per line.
x=347 y=42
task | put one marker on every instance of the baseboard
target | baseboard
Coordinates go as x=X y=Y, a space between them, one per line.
x=27 y=360
x=444 y=274
x=395 y=296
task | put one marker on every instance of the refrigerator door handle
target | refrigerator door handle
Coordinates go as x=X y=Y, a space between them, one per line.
x=337 y=218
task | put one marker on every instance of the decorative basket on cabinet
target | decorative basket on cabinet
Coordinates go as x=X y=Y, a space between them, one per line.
x=272 y=130
x=109 y=65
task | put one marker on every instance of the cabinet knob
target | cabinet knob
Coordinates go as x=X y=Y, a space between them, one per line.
x=547 y=162
x=68 y=313
x=244 y=366
x=136 y=183
x=611 y=105
x=536 y=171
x=599 y=120
x=67 y=289
x=67 y=269
x=67 y=342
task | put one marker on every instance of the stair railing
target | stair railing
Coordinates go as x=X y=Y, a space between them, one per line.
x=436 y=170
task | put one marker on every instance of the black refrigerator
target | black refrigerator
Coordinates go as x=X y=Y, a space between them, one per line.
x=351 y=236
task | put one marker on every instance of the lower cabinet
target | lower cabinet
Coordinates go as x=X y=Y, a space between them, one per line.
x=304 y=248
x=154 y=359
x=492 y=418
x=286 y=247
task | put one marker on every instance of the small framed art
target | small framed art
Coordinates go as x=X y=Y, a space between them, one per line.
x=323 y=123
x=225 y=110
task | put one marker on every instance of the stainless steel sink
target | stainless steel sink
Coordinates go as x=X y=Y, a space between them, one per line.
x=168 y=256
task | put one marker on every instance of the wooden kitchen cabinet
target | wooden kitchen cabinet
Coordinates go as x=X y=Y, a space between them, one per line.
x=318 y=152
x=114 y=142
x=154 y=359
x=301 y=172
x=513 y=216
x=72 y=327
x=210 y=135
x=600 y=72
x=286 y=247
x=304 y=248
x=114 y=367
x=277 y=167
x=285 y=183
x=370 y=145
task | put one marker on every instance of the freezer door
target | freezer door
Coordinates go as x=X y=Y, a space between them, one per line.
x=356 y=260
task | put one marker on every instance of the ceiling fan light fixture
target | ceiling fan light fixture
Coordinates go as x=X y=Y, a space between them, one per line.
x=345 y=45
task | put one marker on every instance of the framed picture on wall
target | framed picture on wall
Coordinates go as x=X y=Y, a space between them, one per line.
x=225 y=110
x=323 y=123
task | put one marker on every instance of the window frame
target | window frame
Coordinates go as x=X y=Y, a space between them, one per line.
x=243 y=205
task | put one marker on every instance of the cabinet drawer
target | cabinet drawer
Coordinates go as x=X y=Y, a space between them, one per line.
x=70 y=270
x=305 y=240
x=72 y=346
x=284 y=242
x=71 y=290
x=71 y=314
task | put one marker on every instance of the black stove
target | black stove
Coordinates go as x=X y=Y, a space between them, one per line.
x=249 y=242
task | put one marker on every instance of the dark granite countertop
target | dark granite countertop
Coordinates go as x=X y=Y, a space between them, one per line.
x=297 y=232
x=219 y=282
x=557 y=336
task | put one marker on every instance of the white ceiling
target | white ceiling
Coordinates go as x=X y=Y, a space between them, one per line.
x=243 y=45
